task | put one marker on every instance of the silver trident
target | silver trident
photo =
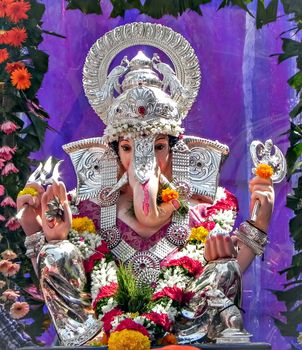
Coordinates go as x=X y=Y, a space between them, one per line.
x=269 y=154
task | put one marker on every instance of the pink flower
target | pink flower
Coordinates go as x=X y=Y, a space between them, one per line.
x=130 y=324
x=7 y=152
x=13 y=269
x=10 y=294
x=4 y=265
x=105 y=292
x=2 y=218
x=9 y=168
x=19 y=310
x=2 y=190
x=2 y=284
x=2 y=161
x=8 y=201
x=9 y=127
x=8 y=254
x=12 y=224
x=159 y=319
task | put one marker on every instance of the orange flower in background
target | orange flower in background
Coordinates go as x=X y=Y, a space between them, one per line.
x=20 y=78
x=19 y=310
x=16 y=36
x=264 y=170
x=17 y=11
x=168 y=194
x=10 y=67
x=4 y=55
x=3 y=36
x=4 y=4
x=168 y=339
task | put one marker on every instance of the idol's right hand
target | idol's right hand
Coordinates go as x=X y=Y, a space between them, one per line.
x=30 y=205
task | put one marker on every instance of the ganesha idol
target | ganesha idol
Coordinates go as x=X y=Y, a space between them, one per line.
x=147 y=206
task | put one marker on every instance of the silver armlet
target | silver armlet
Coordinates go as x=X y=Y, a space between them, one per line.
x=34 y=244
x=252 y=237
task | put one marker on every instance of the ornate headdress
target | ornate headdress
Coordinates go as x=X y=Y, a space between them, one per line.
x=143 y=103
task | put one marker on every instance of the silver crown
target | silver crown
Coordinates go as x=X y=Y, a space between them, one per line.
x=143 y=103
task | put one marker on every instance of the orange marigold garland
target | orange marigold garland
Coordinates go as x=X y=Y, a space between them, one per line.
x=128 y=339
x=16 y=11
x=16 y=36
x=20 y=78
x=4 y=55
x=264 y=170
x=168 y=194
x=4 y=4
x=10 y=67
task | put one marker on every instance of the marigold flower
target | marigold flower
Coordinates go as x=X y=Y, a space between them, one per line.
x=9 y=127
x=199 y=234
x=3 y=36
x=8 y=202
x=16 y=36
x=128 y=339
x=8 y=254
x=264 y=170
x=10 y=294
x=168 y=194
x=7 y=152
x=20 y=78
x=12 y=224
x=168 y=339
x=28 y=190
x=83 y=224
x=9 y=169
x=17 y=11
x=10 y=67
x=19 y=310
x=4 y=4
x=2 y=190
x=4 y=55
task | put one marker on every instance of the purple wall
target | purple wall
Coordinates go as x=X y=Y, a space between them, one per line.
x=243 y=96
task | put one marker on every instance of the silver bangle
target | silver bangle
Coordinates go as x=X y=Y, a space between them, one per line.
x=34 y=244
x=252 y=237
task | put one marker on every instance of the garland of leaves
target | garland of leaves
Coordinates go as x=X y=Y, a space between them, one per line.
x=291 y=48
x=23 y=123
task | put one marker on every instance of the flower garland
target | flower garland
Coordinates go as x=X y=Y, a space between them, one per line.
x=171 y=292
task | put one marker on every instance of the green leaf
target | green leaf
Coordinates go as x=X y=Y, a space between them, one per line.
x=159 y=8
x=37 y=10
x=266 y=15
x=120 y=6
x=296 y=81
x=296 y=110
x=39 y=59
x=86 y=6
x=295 y=270
x=292 y=154
x=289 y=296
x=241 y=3
x=295 y=227
x=292 y=6
x=290 y=48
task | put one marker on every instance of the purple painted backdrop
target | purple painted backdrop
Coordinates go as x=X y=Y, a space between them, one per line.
x=243 y=96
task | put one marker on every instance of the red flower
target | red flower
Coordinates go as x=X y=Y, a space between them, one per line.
x=16 y=36
x=130 y=324
x=174 y=293
x=89 y=263
x=8 y=201
x=159 y=319
x=7 y=152
x=105 y=292
x=9 y=127
x=108 y=318
x=2 y=190
x=103 y=248
x=208 y=225
x=12 y=224
x=4 y=55
x=194 y=267
x=17 y=11
x=4 y=4
x=3 y=35
x=8 y=169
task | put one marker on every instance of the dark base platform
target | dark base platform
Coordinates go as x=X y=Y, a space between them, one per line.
x=251 y=346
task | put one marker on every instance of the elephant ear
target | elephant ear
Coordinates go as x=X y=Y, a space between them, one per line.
x=92 y=159
x=206 y=158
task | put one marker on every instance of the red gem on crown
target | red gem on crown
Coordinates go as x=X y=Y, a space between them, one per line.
x=141 y=110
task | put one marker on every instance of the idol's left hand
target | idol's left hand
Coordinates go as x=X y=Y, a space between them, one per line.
x=262 y=189
x=220 y=246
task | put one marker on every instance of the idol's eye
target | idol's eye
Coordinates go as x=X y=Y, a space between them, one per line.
x=159 y=146
x=126 y=148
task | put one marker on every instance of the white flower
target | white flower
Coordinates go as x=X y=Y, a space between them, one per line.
x=111 y=304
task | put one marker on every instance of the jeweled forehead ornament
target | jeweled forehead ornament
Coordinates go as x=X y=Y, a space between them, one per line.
x=133 y=99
